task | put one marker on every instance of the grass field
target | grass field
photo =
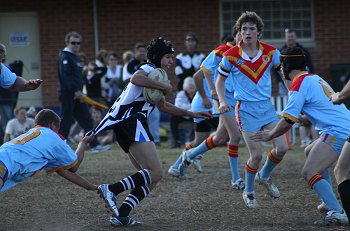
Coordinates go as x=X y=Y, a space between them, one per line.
x=204 y=202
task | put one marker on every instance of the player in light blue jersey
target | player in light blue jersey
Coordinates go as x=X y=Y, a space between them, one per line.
x=227 y=127
x=248 y=67
x=309 y=94
x=42 y=148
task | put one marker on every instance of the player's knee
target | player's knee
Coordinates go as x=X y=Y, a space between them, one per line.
x=281 y=150
x=307 y=173
x=257 y=158
x=219 y=140
x=157 y=175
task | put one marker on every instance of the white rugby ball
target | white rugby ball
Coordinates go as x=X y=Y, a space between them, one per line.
x=152 y=95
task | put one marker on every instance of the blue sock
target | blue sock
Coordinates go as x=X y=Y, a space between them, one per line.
x=327 y=176
x=249 y=178
x=325 y=192
x=177 y=162
x=234 y=168
x=270 y=163
x=202 y=148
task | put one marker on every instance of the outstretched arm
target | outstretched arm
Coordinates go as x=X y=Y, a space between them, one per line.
x=340 y=97
x=22 y=84
x=76 y=179
x=281 y=128
x=80 y=151
x=167 y=107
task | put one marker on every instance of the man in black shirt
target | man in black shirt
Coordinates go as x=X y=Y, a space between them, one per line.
x=70 y=77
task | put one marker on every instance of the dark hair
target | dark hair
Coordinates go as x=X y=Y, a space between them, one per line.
x=288 y=30
x=252 y=17
x=192 y=35
x=45 y=117
x=157 y=48
x=72 y=34
x=101 y=55
x=227 y=38
x=139 y=45
x=292 y=58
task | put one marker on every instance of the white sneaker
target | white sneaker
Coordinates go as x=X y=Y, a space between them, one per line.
x=186 y=161
x=109 y=198
x=333 y=217
x=174 y=171
x=123 y=221
x=100 y=148
x=238 y=184
x=271 y=188
x=249 y=200
x=322 y=208
x=197 y=165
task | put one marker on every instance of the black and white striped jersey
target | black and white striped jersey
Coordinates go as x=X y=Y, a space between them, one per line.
x=130 y=104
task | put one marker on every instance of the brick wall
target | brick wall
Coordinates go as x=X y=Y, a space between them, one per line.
x=123 y=23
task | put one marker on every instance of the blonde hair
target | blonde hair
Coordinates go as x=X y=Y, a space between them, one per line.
x=2 y=52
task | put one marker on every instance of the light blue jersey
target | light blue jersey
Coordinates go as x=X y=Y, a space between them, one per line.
x=250 y=77
x=7 y=78
x=39 y=148
x=309 y=94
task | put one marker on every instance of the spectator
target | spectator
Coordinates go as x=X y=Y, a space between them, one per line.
x=92 y=81
x=140 y=53
x=113 y=78
x=127 y=57
x=18 y=125
x=183 y=100
x=189 y=61
x=70 y=77
x=31 y=112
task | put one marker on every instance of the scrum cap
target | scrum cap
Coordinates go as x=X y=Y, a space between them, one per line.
x=157 y=48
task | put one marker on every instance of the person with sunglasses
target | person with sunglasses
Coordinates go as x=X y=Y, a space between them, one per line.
x=70 y=77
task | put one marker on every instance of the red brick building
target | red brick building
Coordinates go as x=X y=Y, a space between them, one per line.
x=118 y=25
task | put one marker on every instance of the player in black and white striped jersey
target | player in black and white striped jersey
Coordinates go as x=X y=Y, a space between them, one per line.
x=128 y=118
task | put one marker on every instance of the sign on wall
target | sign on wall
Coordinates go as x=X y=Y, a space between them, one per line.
x=19 y=38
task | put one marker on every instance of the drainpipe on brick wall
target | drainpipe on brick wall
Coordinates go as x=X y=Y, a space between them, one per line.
x=94 y=11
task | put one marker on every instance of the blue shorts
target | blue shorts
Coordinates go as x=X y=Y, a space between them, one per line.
x=335 y=142
x=197 y=106
x=253 y=116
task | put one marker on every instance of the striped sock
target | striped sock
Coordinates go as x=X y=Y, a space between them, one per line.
x=324 y=191
x=232 y=151
x=270 y=163
x=132 y=200
x=141 y=178
x=249 y=178
x=203 y=147
x=188 y=147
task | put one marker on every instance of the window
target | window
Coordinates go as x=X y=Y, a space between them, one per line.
x=277 y=15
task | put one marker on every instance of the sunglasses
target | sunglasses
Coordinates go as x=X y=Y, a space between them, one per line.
x=75 y=43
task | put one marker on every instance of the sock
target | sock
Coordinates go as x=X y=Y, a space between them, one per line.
x=203 y=147
x=188 y=147
x=249 y=178
x=177 y=162
x=141 y=178
x=132 y=200
x=232 y=151
x=344 y=192
x=270 y=163
x=324 y=191
x=327 y=176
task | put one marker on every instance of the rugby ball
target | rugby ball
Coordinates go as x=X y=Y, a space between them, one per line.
x=152 y=95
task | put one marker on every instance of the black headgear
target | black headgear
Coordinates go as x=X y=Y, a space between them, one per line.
x=292 y=58
x=157 y=48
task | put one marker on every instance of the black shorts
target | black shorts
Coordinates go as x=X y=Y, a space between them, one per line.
x=132 y=130
x=207 y=125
